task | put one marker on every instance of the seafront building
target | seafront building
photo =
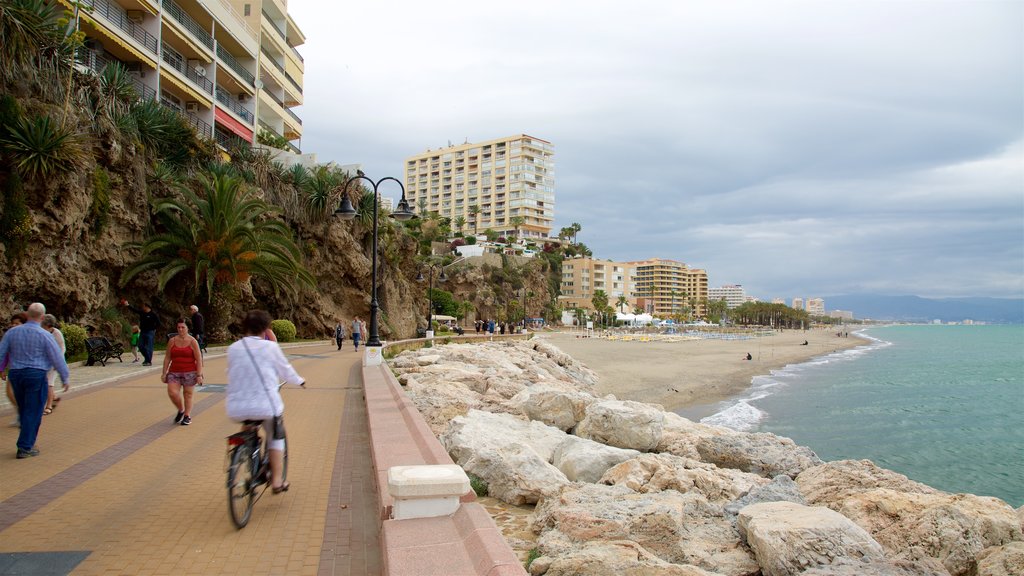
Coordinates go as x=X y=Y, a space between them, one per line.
x=229 y=67
x=733 y=294
x=816 y=306
x=798 y=304
x=657 y=286
x=490 y=184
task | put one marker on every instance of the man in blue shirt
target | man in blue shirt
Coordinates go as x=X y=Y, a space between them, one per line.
x=29 y=351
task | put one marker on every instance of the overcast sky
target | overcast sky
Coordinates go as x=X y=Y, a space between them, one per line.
x=796 y=148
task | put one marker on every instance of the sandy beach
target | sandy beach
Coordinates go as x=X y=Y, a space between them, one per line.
x=692 y=376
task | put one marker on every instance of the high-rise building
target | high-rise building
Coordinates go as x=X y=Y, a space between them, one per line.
x=667 y=287
x=498 y=184
x=229 y=67
x=816 y=306
x=582 y=277
x=798 y=304
x=733 y=294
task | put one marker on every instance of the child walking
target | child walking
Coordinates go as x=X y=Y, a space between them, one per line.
x=135 y=342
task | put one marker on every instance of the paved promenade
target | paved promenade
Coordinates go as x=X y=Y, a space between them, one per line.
x=119 y=489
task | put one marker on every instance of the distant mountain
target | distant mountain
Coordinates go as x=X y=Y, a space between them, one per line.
x=917 y=309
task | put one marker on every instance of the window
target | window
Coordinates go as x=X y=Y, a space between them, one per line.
x=247 y=10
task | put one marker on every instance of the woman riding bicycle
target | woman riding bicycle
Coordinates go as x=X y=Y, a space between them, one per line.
x=255 y=366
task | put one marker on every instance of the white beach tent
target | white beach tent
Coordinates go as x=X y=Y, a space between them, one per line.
x=627 y=318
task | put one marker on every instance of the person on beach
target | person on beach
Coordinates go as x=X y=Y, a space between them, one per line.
x=50 y=325
x=356 y=332
x=16 y=320
x=339 y=334
x=749 y=357
x=134 y=341
x=183 y=369
x=198 y=327
x=255 y=366
x=148 y=323
x=29 y=351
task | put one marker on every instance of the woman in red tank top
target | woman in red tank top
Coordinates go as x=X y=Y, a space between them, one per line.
x=183 y=369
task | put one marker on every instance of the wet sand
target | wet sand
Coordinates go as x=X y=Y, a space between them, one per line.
x=692 y=376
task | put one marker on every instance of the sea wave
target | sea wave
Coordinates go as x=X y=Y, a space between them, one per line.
x=740 y=414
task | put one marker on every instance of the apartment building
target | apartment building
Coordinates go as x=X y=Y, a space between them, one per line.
x=733 y=294
x=229 y=67
x=816 y=306
x=659 y=287
x=582 y=277
x=667 y=287
x=798 y=304
x=494 y=184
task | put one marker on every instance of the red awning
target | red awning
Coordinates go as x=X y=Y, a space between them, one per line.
x=227 y=121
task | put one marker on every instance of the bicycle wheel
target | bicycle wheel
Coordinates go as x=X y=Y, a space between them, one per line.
x=241 y=494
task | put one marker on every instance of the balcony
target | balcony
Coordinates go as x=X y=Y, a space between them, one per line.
x=175 y=60
x=226 y=98
x=235 y=65
x=291 y=147
x=188 y=23
x=96 y=62
x=227 y=140
x=204 y=129
x=283 y=107
x=117 y=16
x=269 y=20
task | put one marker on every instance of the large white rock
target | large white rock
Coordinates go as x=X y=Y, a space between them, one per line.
x=479 y=430
x=1005 y=560
x=765 y=454
x=833 y=482
x=553 y=406
x=658 y=472
x=865 y=567
x=515 y=474
x=678 y=528
x=788 y=538
x=623 y=423
x=679 y=435
x=583 y=460
x=953 y=528
x=612 y=558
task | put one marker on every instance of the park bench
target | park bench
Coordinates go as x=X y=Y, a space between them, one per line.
x=101 y=349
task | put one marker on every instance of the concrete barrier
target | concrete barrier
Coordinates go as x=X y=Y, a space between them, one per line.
x=464 y=542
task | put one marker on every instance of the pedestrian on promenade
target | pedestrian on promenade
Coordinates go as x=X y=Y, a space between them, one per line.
x=183 y=369
x=255 y=366
x=134 y=341
x=50 y=325
x=198 y=327
x=339 y=333
x=356 y=332
x=29 y=351
x=16 y=320
x=364 y=331
x=148 y=323
x=477 y=326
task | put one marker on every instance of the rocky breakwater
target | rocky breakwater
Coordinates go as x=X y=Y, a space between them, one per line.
x=626 y=488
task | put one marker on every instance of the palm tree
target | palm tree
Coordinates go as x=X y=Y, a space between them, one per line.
x=622 y=301
x=460 y=222
x=223 y=237
x=516 y=222
x=474 y=212
x=576 y=228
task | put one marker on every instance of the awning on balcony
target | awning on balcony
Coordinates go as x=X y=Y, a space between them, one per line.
x=102 y=29
x=225 y=120
x=197 y=96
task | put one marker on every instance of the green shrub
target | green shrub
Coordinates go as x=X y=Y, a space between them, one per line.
x=74 y=339
x=470 y=240
x=39 y=148
x=99 y=210
x=478 y=484
x=531 y=556
x=284 y=330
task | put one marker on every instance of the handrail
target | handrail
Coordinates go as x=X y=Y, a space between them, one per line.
x=178 y=62
x=239 y=20
x=96 y=62
x=189 y=23
x=225 y=97
x=276 y=65
x=270 y=21
x=294 y=83
x=235 y=65
x=117 y=16
x=204 y=129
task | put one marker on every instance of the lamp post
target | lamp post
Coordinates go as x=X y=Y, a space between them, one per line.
x=524 y=308
x=347 y=212
x=429 y=333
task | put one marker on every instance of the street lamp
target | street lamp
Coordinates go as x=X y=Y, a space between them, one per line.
x=430 y=293
x=524 y=308
x=347 y=212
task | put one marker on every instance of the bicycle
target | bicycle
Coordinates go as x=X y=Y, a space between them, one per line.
x=248 y=470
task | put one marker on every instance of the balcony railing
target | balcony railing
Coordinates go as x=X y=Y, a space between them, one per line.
x=294 y=83
x=204 y=129
x=271 y=58
x=117 y=16
x=235 y=65
x=283 y=106
x=229 y=141
x=274 y=26
x=96 y=62
x=191 y=25
x=178 y=62
x=291 y=147
x=225 y=98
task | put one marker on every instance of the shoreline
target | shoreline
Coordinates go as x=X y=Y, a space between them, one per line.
x=692 y=377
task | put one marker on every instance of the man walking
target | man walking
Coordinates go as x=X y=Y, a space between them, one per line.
x=148 y=322
x=198 y=327
x=29 y=351
x=356 y=331
x=339 y=333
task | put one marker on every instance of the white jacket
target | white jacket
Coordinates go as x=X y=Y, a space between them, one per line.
x=253 y=395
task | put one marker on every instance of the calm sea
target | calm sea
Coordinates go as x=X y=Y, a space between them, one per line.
x=942 y=404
